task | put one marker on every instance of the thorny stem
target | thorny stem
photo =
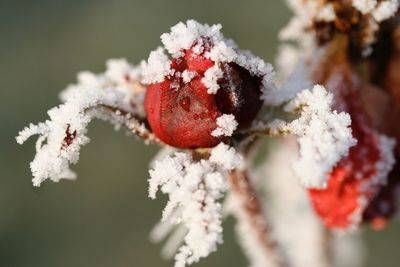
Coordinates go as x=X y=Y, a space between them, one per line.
x=253 y=213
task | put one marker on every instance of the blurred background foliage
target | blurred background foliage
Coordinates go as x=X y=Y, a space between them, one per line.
x=103 y=218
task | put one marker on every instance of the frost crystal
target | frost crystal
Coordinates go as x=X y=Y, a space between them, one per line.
x=380 y=11
x=194 y=188
x=187 y=76
x=106 y=96
x=226 y=125
x=365 y=6
x=209 y=42
x=327 y=13
x=385 y=10
x=387 y=160
x=184 y=36
x=210 y=79
x=156 y=67
x=324 y=135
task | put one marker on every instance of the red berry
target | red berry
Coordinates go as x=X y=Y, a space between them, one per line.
x=357 y=178
x=341 y=204
x=183 y=114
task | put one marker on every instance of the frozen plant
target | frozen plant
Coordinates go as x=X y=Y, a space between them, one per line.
x=329 y=117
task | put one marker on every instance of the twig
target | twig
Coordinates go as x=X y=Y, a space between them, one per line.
x=252 y=213
x=131 y=122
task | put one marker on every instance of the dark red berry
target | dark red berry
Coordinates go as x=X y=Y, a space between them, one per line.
x=183 y=114
x=356 y=179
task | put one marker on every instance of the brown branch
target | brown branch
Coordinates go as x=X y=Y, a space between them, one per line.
x=252 y=212
x=327 y=247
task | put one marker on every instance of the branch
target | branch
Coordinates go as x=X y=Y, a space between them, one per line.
x=130 y=121
x=251 y=217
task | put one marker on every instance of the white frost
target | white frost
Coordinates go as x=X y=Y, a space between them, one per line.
x=365 y=6
x=385 y=10
x=226 y=125
x=386 y=162
x=194 y=188
x=210 y=42
x=326 y=13
x=184 y=36
x=187 y=76
x=211 y=77
x=62 y=136
x=226 y=157
x=380 y=11
x=156 y=68
x=324 y=136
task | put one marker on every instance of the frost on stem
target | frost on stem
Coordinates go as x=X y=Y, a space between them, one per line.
x=194 y=188
x=113 y=96
x=323 y=134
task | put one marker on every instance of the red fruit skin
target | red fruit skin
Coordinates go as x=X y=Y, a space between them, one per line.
x=339 y=205
x=184 y=115
x=349 y=188
x=182 y=118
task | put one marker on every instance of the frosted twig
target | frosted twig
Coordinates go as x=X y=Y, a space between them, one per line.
x=324 y=135
x=132 y=124
x=115 y=96
x=194 y=185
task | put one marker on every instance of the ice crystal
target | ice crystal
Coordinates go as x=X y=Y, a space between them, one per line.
x=226 y=125
x=324 y=135
x=196 y=37
x=106 y=96
x=156 y=67
x=194 y=188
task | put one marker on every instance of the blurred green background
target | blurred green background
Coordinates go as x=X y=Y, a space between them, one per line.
x=104 y=217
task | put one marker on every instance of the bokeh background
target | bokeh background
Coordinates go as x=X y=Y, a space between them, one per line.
x=103 y=218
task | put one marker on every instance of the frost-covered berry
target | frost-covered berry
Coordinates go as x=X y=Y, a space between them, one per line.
x=358 y=178
x=207 y=91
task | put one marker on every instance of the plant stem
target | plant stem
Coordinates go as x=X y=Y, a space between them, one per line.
x=249 y=213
